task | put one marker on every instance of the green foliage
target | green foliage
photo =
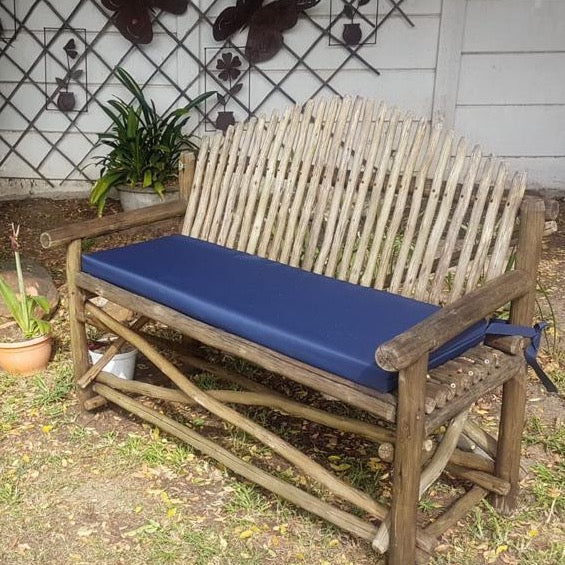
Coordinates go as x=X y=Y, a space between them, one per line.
x=144 y=146
x=55 y=390
x=248 y=499
x=22 y=307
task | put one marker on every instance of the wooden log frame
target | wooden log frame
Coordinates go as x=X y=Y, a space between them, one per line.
x=351 y=190
x=473 y=471
x=513 y=408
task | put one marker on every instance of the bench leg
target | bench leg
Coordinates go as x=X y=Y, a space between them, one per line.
x=522 y=309
x=511 y=426
x=407 y=463
x=77 y=328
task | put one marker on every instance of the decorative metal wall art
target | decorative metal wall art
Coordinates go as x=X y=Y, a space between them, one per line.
x=266 y=24
x=66 y=74
x=360 y=21
x=395 y=7
x=7 y=20
x=55 y=147
x=66 y=99
x=365 y=20
x=134 y=17
x=229 y=75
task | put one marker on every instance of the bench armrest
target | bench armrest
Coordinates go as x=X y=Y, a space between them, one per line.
x=445 y=324
x=109 y=224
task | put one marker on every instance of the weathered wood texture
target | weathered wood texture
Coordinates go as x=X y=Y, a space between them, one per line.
x=497 y=368
x=111 y=224
x=112 y=349
x=457 y=511
x=514 y=392
x=344 y=520
x=379 y=404
x=275 y=401
x=77 y=317
x=451 y=320
x=427 y=477
x=277 y=444
x=407 y=461
x=187 y=165
x=313 y=181
x=349 y=189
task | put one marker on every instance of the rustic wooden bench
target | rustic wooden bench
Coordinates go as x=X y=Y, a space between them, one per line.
x=353 y=191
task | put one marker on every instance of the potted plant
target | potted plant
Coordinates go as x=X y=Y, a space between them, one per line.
x=144 y=148
x=25 y=344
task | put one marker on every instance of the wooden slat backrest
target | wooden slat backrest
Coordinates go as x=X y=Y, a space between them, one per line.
x=353 y=190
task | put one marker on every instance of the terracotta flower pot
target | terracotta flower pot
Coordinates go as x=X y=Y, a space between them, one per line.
x=25 y=357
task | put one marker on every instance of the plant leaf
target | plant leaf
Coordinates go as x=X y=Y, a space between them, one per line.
x=11 y=300
x=159 y=188
x=61 y=82
x=70 y=45
x=76 y=74
x=236 y=88
x=102 y=186
x=144 y=145
x=199 y=99
x=147 y=178
x=349 y=11
x=22 y=310
x=40 y=301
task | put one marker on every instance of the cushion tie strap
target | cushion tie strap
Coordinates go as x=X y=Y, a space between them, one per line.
x=501 y=327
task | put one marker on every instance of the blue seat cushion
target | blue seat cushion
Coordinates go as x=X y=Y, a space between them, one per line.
x=330 y=324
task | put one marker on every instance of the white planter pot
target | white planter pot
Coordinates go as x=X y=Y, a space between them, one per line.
x=121 y=365
x=132 y=199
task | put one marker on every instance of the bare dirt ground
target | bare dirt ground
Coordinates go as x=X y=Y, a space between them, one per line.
x=103 y=488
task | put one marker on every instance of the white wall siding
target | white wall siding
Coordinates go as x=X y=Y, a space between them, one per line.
x=511 y=88
x=492 y=69
x=514 y=25
x=512 y=78
x=515 y=131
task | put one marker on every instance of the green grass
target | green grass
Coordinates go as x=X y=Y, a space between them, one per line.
x=57 y=390
x=549 y=487
x=10 y=494
x=153 y=450
x=248 y=500
x=79 y=434
x=205 y=545
x=54 y=462
x=552 y=438
x=206 y=381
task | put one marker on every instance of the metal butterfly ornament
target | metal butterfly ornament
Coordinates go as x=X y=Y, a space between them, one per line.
x=133 y=17
x=266 y=24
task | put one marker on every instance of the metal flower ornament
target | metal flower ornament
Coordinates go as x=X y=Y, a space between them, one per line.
x=229 y=70
x=66 y=99
x=133 y=17
x=266 y=24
